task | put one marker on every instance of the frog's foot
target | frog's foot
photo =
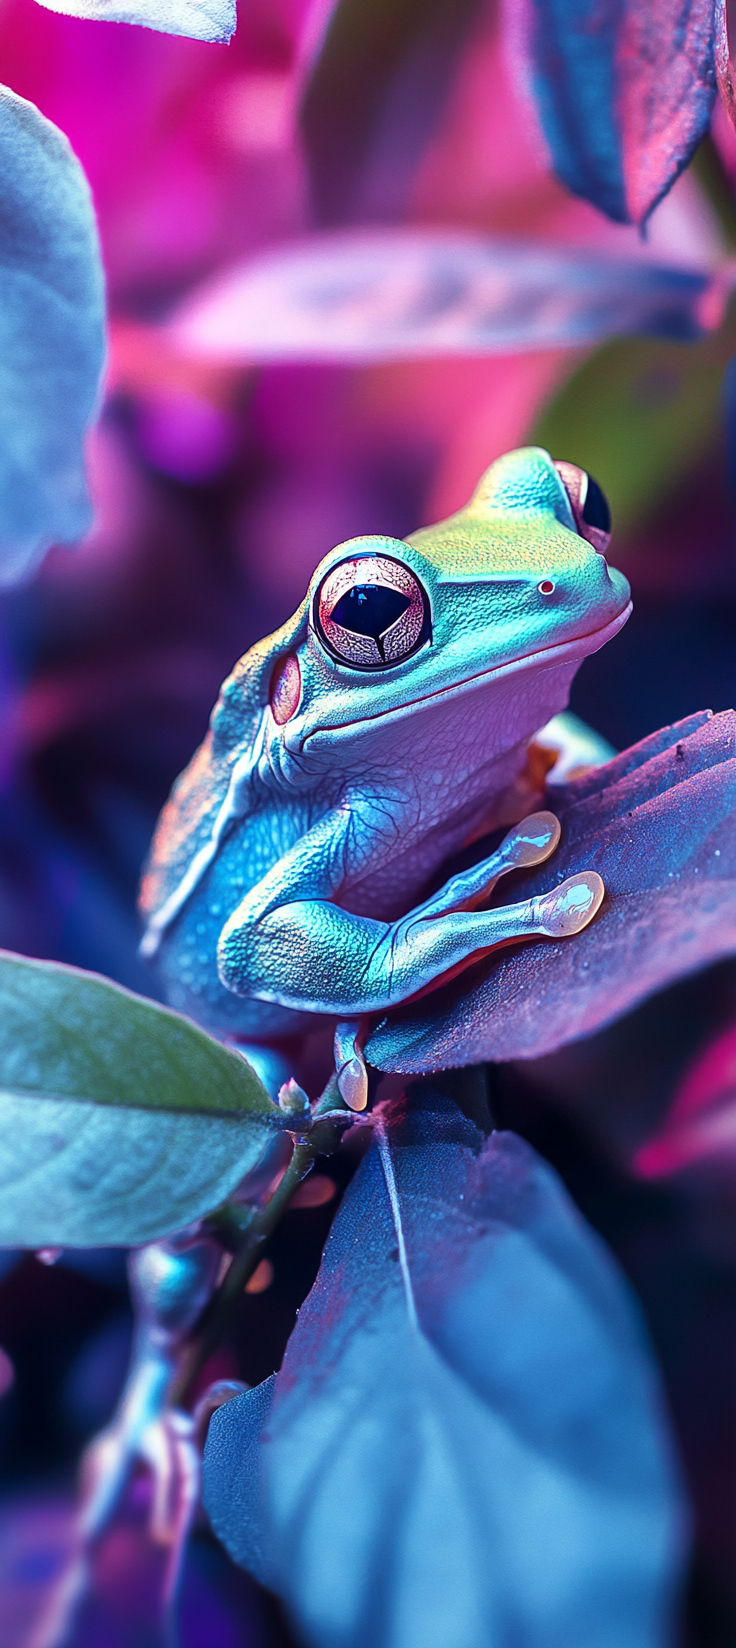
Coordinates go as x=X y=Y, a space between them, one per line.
x=446 y=923
x=310 y=954
x=530 y=842
x=350 y=1066
x=427 y=947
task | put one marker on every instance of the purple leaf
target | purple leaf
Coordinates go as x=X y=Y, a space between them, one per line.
x=465 y=1443
x=658 y=823
x=383 y=294
x=624 y=91
x=377 y=78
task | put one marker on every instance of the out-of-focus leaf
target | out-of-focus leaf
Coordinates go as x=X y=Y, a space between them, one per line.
x=120 y=1121
x=638 y=414
x=383 y=294
x=723 y=60
x=701 y=1125
x=624 y=93
x=377 y=73
x=213 y=20
x=52 y=337
x=658 y=823
x=464 y=1445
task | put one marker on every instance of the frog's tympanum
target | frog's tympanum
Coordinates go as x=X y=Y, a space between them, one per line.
x=352 y=754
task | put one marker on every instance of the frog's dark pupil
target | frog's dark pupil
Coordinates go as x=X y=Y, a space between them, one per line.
x=369 y=609
x=595 y=509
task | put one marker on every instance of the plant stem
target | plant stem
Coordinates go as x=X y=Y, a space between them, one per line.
x=245 y=1260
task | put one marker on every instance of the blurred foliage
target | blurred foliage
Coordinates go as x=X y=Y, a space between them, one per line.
x=642 y=412
x=377 y=86
x=639 y=413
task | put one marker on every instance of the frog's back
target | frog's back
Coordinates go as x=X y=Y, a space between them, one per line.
x=189 y=820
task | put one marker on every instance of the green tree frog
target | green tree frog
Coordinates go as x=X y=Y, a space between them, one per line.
x=298 y=870
x=353 y=753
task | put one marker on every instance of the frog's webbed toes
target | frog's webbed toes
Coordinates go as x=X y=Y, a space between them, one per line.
x=527 y=843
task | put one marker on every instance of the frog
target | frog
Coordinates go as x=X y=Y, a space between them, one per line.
x=295 y=877
x=301 y=872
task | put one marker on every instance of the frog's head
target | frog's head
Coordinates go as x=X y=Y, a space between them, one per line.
x=482 y=619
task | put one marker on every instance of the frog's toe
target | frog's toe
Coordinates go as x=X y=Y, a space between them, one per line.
x=568 y=908
x=531 y=841
x=352 y=1073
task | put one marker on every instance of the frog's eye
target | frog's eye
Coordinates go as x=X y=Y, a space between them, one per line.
x=589 y=505
x=371 y=612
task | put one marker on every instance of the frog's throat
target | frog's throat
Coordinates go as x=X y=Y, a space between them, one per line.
x=580 y=646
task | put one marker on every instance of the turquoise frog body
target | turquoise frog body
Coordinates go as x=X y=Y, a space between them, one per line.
x=350 y=756
x=354 y=752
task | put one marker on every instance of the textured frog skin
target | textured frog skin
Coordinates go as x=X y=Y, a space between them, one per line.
x=288 y=862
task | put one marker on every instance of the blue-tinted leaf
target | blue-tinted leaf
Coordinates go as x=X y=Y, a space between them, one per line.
x=52 y=338
x=624 y=91
x=385 y=294
x=212 y=20
x=464 y=1446
x=119 y=1120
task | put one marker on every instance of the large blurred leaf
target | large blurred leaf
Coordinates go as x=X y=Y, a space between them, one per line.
x=119 y=1120
x=377 y=76
x=52 y=337
x=624 y=92
x=377 y=294
x=464 y=1446
x=212 y=20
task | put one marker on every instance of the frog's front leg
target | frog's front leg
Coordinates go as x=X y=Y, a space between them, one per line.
x=528 y=843
x=290 y=942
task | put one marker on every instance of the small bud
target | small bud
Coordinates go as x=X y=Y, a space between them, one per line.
x=293 y=1099
x=48 y=1255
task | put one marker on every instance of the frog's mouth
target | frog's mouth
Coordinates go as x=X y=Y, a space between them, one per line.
x=560 y=652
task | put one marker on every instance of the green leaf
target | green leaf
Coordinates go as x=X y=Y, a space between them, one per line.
x=120 y=1121
x=638 y=414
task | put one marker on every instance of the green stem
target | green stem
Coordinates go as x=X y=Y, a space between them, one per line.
x=245 y=1260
